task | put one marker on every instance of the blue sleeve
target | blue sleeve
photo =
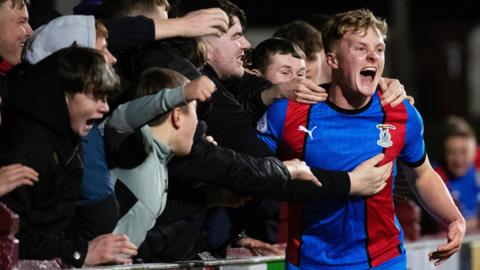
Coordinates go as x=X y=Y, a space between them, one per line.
x=413 y=152
x=270 y=126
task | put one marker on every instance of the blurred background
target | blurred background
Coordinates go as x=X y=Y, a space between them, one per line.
x=433 y=48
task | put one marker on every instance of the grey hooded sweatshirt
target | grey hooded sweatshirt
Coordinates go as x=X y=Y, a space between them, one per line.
x=60 y=33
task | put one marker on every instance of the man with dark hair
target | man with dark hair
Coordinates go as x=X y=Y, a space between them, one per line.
x=309 y=40
x=278 y=60
x=97 y=198
x=57 y=100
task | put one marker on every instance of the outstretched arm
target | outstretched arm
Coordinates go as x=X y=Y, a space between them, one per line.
x=122 y=144
x=298 y=89
x=212 y=21
x=436 y=198
x=137 y=113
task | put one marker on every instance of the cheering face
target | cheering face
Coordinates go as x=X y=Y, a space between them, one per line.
x=284 y=67
x=226 y=52
x=358 y=60
x=14 y=31
x=84 y=109
x=459 y=154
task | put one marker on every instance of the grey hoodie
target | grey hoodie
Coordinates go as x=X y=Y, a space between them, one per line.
x=60 y=33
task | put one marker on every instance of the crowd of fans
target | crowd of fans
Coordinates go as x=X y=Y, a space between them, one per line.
x=128 y=136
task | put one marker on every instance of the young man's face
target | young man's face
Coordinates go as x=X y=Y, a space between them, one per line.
x=459 y=154
x=284 y=67
x=101 y=45
x=360 y=59
x=84 y=109
x=14 y=31
x=187 y=129
x=226 y=52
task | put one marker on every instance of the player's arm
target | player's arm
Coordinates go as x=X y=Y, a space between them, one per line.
x=435 y=197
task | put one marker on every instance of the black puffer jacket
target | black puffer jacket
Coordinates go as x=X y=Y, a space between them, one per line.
x=36 y=132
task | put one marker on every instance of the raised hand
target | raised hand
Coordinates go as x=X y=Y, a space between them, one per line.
x=199 y=89
x=212 y=21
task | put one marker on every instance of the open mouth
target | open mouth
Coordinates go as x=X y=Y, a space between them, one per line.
x=369 y=73
x=90 y=122
x=240 y=58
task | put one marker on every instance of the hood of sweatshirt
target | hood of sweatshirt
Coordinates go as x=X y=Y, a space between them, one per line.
x=60 y=33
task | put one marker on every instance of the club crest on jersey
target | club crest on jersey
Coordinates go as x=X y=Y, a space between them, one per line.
x=384 y=137
x=262 y=124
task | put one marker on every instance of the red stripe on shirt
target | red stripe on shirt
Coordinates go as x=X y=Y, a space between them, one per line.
x=382 y=234
x=293 y=146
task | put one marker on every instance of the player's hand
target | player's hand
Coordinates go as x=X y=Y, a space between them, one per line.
x=455 y=234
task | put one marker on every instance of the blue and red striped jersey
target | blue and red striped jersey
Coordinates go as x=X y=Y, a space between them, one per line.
x=353 y=233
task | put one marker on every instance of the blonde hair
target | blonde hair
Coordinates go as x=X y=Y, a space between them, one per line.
x=351 y=21
x=100 y=30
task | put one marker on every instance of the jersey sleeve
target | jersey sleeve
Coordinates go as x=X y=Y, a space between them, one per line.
x=270 y=125
x=413 y=153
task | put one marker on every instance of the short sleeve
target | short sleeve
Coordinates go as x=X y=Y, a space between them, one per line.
x=270 y=125
x=413 y=153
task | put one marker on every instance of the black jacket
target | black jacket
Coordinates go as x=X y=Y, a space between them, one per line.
x=164 y=53
x=36 y=132
x=5 y=67
x=236 y=108
x=217 y=166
